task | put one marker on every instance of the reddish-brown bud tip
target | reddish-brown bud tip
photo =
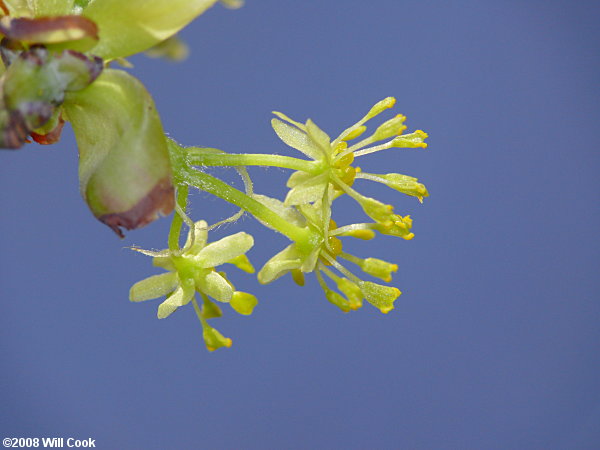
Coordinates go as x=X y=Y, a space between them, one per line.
x=159 y=201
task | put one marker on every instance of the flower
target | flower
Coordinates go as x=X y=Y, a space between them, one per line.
x=299 y=258
x=333 y=173
x=314 y=190
x=191 y=270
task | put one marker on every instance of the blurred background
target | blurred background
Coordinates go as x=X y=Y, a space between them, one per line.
x=493 y=344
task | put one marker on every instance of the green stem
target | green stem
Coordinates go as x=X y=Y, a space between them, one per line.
x=175 y=231
x=197 y=308
x=197 y=158
x=232 y=195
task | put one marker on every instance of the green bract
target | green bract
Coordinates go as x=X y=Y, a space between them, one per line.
x=132 y=26
x=124 y=167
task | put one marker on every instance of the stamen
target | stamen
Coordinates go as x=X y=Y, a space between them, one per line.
x=341 y=268
x=353 y=227
x=374 y=149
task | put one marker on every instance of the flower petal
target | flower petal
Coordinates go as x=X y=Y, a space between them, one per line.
x=153 y=287
x=309 y=263
x=182 y=296
x=319 y=137
x=165 y=262
x=309 y=191
x=215 y=286
x=285 y=118
x=284 y=261
x=225 y=249
x=297 y=139
x=297 y=178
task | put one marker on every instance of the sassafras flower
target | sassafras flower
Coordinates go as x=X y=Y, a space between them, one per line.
x=313 y=192
x=333 y=173
x=192 y=270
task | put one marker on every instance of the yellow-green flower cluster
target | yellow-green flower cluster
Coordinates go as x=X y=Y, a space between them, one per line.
x=312 y=194
x=304 y=216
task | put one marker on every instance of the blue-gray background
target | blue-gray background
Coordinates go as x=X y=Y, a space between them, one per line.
x=495 y=341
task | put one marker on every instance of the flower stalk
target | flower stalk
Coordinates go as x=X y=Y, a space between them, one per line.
x=198 y=158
